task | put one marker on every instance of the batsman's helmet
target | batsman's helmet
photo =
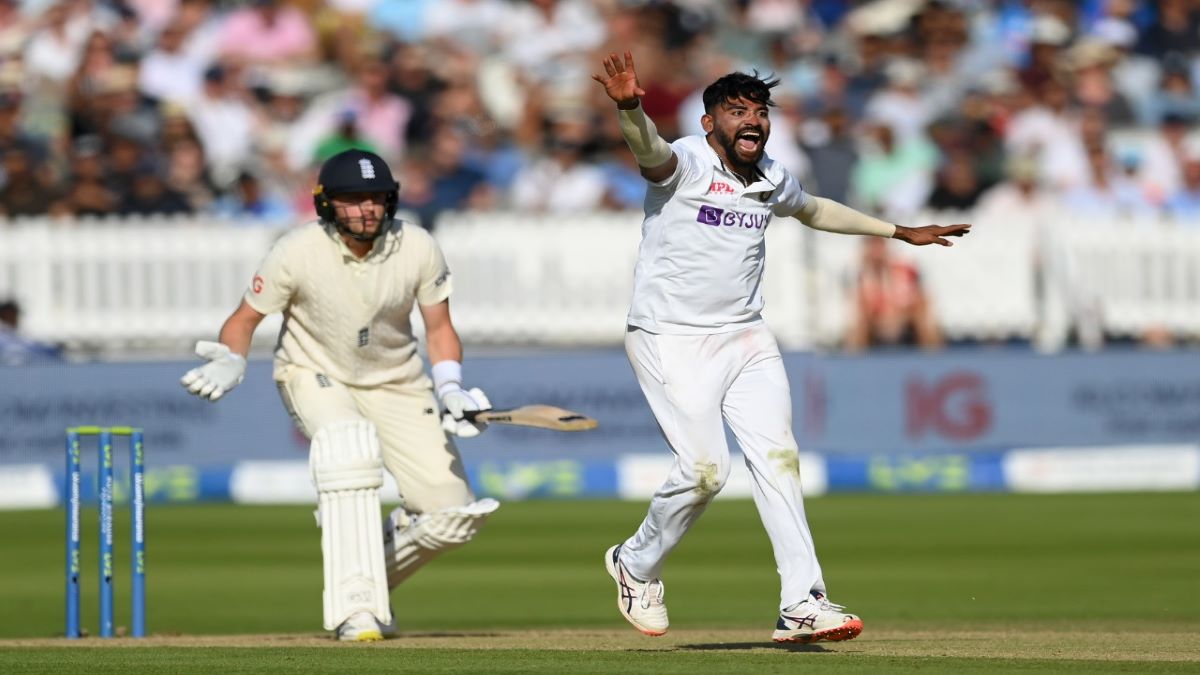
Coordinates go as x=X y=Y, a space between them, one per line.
x=354 y=171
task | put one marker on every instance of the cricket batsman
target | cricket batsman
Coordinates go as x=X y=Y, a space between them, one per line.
x=348 y=372
x=699 y=348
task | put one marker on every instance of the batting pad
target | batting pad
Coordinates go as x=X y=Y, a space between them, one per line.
x=347 y=469
x=410 y=541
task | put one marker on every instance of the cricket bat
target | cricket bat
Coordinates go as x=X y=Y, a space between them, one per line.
x=540 y=416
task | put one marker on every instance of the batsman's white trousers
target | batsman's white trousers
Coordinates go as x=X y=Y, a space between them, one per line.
x=416 y=451
x=692 y=383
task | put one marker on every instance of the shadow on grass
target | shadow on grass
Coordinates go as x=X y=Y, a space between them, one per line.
x=781 y=646
x=445 y=634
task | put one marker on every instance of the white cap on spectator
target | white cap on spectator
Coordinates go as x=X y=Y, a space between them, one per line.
x=1116 y=32
x=1091 y=52
x=883 y=17
x=999 y=82
x=1050 y=30
x=904 y=72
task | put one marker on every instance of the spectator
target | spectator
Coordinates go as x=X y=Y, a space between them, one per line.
x=476 y=25
x=1184 y=205
x=168 y=72
x=89 y=193
x=957 y=186
x=250 y=199
x=25 y=188
x=625 y=188
x=225 y=124
x=889 y=305
x=447 y=181
x=1022 y=193
x=16 y=350
x=149 y=194
x=345 y=136
x=382 y=117
x=1162 y=157
x=13 y=135
x=1091 y=64
x=269 y=32
x=1174 y=31
x=186 y=174
x=412 y=78
x=561 y=182
x=1049 y=130
x=893 y=177
x=15 y=27
x=53 y=52
x=1111 y=191
x=548 y=40
x=832 y=152
x=902 y=105
x=1176 y=95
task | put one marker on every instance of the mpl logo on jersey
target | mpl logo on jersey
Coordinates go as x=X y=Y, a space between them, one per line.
x=711 y=215
x=720 y=188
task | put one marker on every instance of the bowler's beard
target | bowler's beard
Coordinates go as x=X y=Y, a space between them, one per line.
x=729 y=145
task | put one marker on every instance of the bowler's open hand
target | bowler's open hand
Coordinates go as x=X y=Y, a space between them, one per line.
x=620 y=81
x=931 y=234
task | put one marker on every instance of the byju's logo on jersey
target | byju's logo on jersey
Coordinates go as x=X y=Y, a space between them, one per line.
x=711 y=215
x=367 y=168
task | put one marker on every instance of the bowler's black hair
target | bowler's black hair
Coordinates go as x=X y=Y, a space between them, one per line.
x=739 y=85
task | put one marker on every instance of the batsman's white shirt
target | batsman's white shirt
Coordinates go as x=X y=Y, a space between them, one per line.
x=703 y=252
x=346 y=317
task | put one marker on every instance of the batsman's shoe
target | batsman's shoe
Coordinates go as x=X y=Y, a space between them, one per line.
x=816 y=619
x=388 y=630
x=640 y=602
x=360 y=627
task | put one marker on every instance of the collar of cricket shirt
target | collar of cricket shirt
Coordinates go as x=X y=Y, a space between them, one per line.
x=381 y=249
x=770 y=173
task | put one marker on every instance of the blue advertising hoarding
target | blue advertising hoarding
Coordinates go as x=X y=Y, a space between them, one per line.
x=890 y=422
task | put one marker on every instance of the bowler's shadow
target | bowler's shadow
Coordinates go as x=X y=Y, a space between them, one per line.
x=782 y=646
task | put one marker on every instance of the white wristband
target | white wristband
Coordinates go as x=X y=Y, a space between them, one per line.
x=447 y=377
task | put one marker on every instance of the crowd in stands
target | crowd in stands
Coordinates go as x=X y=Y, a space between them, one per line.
x=226 y=108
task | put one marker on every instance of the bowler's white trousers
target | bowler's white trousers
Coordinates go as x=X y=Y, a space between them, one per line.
x=692 y=383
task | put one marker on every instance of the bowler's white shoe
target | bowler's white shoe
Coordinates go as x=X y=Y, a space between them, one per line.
x=816 y=618
x=640 y=602
x=360 y=627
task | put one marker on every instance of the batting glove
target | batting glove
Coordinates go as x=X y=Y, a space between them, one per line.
x=458 y=405
x=224 y=371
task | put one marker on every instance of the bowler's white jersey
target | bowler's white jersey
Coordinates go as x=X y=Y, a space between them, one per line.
x=700 y=264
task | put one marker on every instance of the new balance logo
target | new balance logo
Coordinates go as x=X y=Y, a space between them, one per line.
x=322 y=381
x=368 y=169
x=364 y=336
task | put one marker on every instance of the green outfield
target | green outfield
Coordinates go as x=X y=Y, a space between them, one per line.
x=946 y=583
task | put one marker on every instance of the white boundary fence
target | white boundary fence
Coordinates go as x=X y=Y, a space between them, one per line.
x=122 y=286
